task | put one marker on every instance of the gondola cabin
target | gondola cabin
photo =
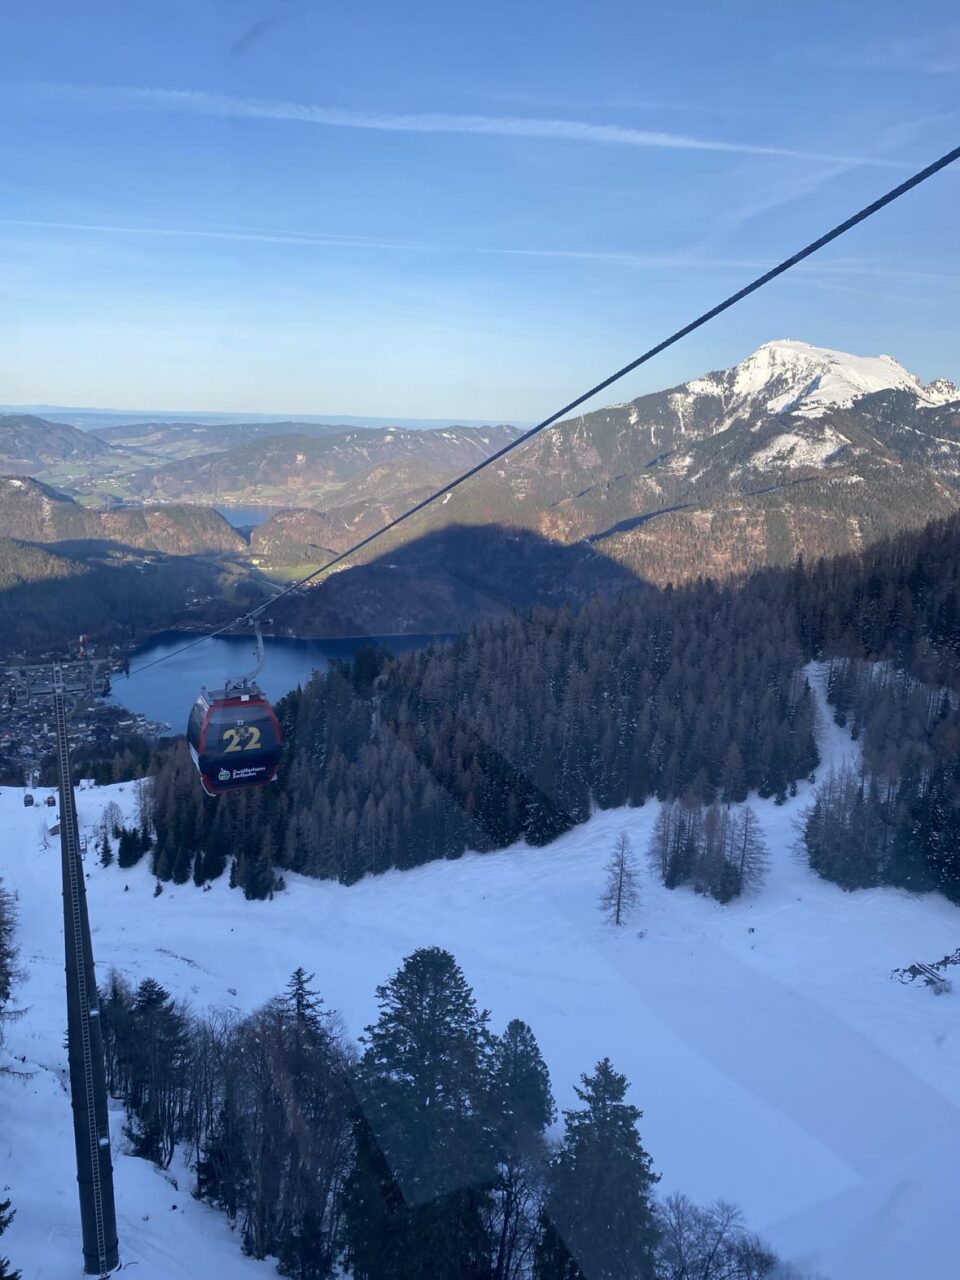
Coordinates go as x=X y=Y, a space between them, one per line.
x=235 y=739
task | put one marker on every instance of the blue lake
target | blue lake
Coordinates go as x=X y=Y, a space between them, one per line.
x=243 y=517
x=167 y=691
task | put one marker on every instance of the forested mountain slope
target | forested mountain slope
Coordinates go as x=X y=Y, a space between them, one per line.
x=303 y=470
x=797 y=450
x=449 y=579
x=48 y=598
x=520 y=727
x=29 y=443
x=33 y=511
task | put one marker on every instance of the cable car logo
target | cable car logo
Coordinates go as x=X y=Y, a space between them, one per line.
x=223 y=775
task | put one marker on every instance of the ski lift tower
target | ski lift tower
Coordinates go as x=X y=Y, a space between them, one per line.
x=88 y=1090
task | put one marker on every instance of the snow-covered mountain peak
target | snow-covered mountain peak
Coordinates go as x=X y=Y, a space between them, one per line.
x=788 y=376
x=941 y=391
x=791 y=376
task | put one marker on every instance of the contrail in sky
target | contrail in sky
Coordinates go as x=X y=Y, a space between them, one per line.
x=197 y=102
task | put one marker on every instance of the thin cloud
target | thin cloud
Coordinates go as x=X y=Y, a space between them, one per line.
x=798 y=187
x=680 y=260
x=627 y=102
x=196 y=102
x=933 y=54
x=785 y=193
x=304 y=239
x=625 y=258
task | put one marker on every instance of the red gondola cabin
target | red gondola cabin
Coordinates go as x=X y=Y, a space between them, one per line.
x=235 y=739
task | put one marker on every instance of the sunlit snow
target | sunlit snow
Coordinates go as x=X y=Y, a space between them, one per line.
x=791 y=376
x=795 y=450
x=776 y=1062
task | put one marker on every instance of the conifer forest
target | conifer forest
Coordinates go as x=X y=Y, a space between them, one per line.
x=518 y=729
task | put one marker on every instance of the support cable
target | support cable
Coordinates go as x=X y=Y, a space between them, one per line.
x=813 y=247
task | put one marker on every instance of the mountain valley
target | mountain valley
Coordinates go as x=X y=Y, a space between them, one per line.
x=796 y=451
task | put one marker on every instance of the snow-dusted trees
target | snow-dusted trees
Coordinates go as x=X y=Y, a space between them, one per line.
x=718 y=849
x=847 y=832
x=621 y=892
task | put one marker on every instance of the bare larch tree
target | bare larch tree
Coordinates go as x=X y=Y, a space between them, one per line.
x=621 y=892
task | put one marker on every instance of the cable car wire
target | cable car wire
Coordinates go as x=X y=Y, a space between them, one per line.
x=813 y=247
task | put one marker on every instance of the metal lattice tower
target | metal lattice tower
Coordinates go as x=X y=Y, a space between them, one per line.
x=88 y=1090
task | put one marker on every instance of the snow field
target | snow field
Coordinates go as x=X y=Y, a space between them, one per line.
x=776 y=1062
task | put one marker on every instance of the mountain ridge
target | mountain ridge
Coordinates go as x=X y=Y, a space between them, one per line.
x=704 y=478
x=33 y=511
x=796 y=450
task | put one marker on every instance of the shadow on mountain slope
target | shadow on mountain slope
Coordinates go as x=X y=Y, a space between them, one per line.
x=452 y=577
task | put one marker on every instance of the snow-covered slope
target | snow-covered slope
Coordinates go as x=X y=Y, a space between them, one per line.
x=776 y=1062
x=787 y=376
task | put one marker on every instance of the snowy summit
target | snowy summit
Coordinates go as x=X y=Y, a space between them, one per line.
x=787 y=376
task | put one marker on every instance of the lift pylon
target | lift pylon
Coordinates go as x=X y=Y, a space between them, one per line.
x=88 y=1090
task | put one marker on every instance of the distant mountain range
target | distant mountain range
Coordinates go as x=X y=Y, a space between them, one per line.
x=96 y=419
x=300 y=469
x=185 y=439
x=267 y=463
x=797 y=450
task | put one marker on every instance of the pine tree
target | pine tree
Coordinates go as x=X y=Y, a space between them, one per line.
x=621 y=892
x=182 y=863
x=106 y=850
x=302 y=1004
x=6 y=1217
x=419 y=1190
x=129 y=850
x=733 y=784
x=521 y=1107
x=159 y=1059
x=256 y=872
x=520 y=1096
x=598 y=1222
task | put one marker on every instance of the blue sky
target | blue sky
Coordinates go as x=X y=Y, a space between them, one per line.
x=472 y=210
